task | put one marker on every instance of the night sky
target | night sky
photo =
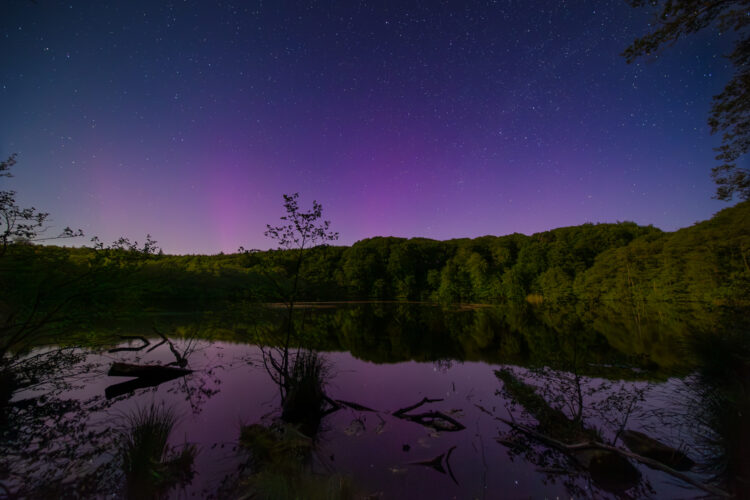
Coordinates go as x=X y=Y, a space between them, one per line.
x=188 y=120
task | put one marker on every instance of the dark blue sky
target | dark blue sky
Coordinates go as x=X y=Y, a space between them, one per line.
x=188 y=120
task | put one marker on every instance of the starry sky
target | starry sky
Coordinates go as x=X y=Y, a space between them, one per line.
x=188 y=120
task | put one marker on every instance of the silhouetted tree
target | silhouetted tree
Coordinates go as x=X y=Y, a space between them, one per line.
x=300 y=231
x=22 y=224
x=18 y=226
x=730 y=111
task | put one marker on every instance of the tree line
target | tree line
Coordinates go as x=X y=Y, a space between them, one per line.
x=709 y=261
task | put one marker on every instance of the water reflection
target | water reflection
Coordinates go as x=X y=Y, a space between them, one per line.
x=391 y=399
x=62 y=434
x=281 y=454
x=718 y=398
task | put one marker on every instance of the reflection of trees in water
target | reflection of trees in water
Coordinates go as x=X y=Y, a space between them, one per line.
x=720 y=422
x=513 y=333
x=586 y=459
x=55 y=444
x=443 y=365
x=717 y=402
x=281 y=455
x=48 y=443
x=567 y=341
x=198 y=387
x=580 y=428
x=563 y=413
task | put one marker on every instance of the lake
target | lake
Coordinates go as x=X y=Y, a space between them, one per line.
x=371 y=400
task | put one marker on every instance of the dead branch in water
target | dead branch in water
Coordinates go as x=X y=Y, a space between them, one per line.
x=181 y=360
x=414 y=406
x=430 y=418
x=145 y=341
x=437 y=463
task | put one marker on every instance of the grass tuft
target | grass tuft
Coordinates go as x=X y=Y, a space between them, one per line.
x=150 y=465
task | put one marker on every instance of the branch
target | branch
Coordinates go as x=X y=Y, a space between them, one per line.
x=132 y=337
x=429 y=419
x=181 y=361
x=412 y=407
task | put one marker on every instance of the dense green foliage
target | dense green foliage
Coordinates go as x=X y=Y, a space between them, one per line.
x=708 y=262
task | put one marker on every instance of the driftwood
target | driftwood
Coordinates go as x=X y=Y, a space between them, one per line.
x=435 y=419
x=646 y=446
x=146 y=371
x=654 y=464
x=146 y=376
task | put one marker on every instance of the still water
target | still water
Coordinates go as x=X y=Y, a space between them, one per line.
x=418 y=401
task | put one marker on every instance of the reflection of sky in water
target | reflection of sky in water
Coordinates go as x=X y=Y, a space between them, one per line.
x=368 y=446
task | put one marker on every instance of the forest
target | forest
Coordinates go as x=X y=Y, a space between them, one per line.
x=708 y=262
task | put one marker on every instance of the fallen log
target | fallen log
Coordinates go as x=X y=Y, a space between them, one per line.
x=655 y=464
x=145 y=376
x=146 y=371
x=646 y=446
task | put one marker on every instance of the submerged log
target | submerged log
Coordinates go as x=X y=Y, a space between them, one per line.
x=114 y=390
x=145 y=376
x=607 y=464
x=146 y=371
x=646 y=446
x=609 y=471
x=576 y=448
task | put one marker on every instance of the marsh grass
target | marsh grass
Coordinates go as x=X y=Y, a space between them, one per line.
x=304 y=400
x=150 y=465
x=282 y=454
